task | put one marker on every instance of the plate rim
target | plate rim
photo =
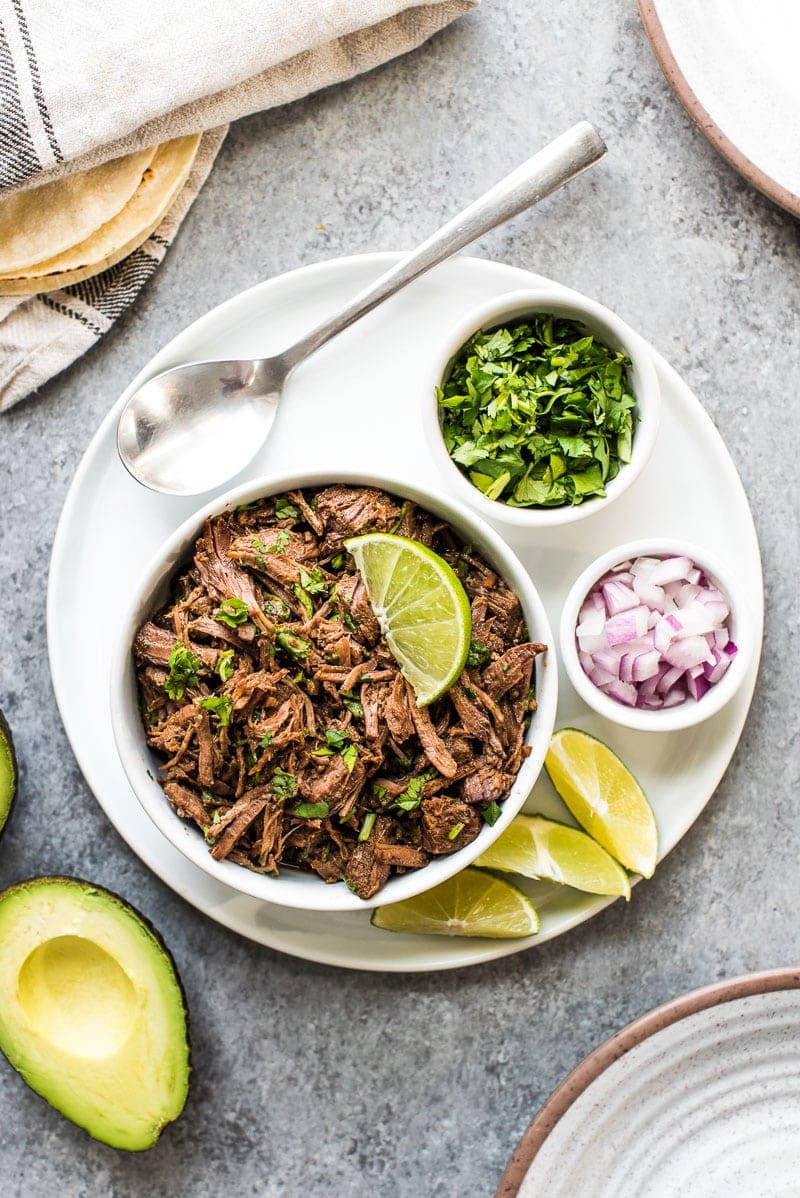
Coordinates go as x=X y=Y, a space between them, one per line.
x=768 y=186
x=229 y=914
x=640 y=1029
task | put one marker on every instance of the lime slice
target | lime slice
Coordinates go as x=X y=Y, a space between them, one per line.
x=421 y=606
x=604 y=797
x=542 y=848
x=471 y=903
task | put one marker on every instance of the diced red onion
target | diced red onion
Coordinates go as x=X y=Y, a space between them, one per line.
x=653 y=632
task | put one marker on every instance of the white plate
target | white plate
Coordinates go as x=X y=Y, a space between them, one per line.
x=734 y=67
x=355 y=405
x=699 y=1097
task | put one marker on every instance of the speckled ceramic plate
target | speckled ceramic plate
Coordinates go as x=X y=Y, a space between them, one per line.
x=699 y=1097
x=734 y=66
x=333 y=417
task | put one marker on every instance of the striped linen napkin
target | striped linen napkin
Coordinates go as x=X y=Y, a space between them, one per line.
x=146 y=72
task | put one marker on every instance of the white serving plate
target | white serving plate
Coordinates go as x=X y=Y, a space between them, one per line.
x=356 y=405
x=699 y=1097
x=734 y=66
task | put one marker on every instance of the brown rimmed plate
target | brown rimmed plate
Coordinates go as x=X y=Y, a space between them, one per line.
x=700 y=1095
x=733 y=66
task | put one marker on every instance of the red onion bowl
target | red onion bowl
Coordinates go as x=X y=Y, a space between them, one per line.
x=656 y=635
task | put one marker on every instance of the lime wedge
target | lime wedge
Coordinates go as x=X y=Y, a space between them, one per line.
x=471 y=903
x=542 y=848
x=604 y=797
x=421 y=606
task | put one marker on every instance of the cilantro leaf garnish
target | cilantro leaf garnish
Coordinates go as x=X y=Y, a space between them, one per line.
x=220 y=706
x=349 y=756
x=539 y=414
x=233 y=612
x=285 y=510
x=224 y=666
x=281 y=542
x=312 y=810
x=492 y=812
x=336 y=738
x=283 y=784
x=411 y=797
x=184 y=668
x=478 y=654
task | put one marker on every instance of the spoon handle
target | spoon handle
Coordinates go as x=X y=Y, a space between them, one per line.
x=558 y=162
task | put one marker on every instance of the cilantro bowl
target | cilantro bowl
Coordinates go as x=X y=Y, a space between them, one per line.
x=542 y=410
x=293 y=887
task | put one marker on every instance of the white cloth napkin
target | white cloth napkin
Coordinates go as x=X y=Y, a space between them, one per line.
x=92 y=79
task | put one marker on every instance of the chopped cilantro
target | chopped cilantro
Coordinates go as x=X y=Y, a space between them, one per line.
x=367 y=826
x=455 y=831
x=336 y=738
x=337 y=561
x=224 y=666
x=312 y=810
x=379 y=791
x=232 y=612
x=304 y=599
x=266 y=741
x=258 y=544
x=220 y=706
x=294 y=644
x=354 y=706
x=349 y=756
x=184 y=668
x=322 y=751
x=281 y=541
x=276 y=608
x=411 y=797
x=492 y=812
x=283 y=784
x=349 y=622
x=478 y=653
x=313 y=582
x=285 y=510
x=538 y=414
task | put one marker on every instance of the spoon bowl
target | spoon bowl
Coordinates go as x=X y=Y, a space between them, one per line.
x=199 y=423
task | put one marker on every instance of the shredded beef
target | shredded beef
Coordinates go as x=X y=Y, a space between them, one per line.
x=287 y=732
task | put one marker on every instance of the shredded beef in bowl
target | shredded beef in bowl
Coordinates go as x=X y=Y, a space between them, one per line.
x=286 y=731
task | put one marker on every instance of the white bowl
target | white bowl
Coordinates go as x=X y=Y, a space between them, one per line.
x=691 y=711
x=613 y=332
x=294 y=888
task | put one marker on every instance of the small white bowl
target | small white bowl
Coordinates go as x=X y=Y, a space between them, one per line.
x=613 y=332
x=691 y=711
x=295 y=888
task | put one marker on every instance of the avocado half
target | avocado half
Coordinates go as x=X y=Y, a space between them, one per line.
x=8 y=772
x=92 y=1013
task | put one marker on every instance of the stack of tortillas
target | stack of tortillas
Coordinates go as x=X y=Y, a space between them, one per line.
x=68 y=230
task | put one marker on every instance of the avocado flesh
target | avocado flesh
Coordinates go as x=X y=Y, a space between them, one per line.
x=91 y=1010
x=8 y=772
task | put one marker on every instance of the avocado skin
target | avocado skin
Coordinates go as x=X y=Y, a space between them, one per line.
x=5 y=734
x=117 y=900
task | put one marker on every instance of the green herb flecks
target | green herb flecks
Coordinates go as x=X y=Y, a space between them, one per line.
x=184 y=669
x=224 y=666
x=232 y=612
x=491 y=813
x=281 y=542
x=411 y=797
x=312 y=810
x=349 y=756
x=283 y=784
x=367 y=826
x=285 y=510
x=220 y=706
x=478 y=654
x=455 y=831
x=294 y=644
x=539 y=414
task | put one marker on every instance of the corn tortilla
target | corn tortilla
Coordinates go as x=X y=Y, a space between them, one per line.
x=160 y=184
x=43 y=221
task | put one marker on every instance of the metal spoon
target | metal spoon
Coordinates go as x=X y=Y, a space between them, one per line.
x=191 y=428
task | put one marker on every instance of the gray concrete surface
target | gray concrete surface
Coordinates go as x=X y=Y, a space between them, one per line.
x=407 y=1085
